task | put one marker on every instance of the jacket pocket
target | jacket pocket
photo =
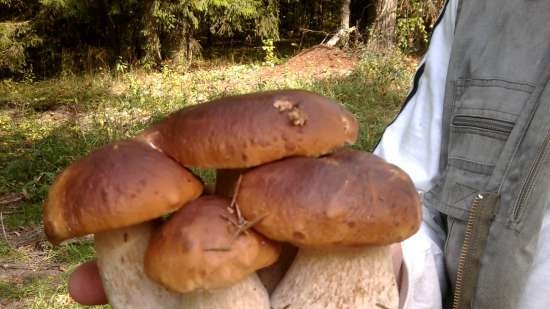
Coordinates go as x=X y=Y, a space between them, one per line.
x=496 y=128
x=483 y=113
x=477 y=141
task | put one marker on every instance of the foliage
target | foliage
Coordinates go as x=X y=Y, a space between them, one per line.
x=85 y=35
x=415 y=18
x=17 y=9
x=319 y=15
x=41 y=293
x=317 y=20
x=15 y=39
x=227 y=18
x=43 y=38
x=270 y=57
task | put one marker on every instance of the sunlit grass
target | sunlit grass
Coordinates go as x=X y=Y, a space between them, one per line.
x=41 y=293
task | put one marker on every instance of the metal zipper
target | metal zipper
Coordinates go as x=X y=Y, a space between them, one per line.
x=465 y=252
x=483 y=123
x=528 y=183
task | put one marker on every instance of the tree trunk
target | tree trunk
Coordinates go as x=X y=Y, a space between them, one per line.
x=149 y=37
x=343 y=32
x=383 y=30
x=344 y=15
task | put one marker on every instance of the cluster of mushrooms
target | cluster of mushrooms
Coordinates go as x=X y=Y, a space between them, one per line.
x=284 y=179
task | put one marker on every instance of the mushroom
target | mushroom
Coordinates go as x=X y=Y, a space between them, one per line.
x=203 y=252
x=248 y=130
x=234 y=133
x=114 y=193
x=343 y=211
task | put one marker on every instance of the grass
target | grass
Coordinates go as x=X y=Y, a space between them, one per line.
x=38 y=288
x=8 y=252
x=39 y=293
x=46 y=125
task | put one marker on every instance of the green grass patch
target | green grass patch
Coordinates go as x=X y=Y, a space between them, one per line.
x=71 y=92
x=7 y=253
x=41 y=293
x=73 y=254
x=41 y=290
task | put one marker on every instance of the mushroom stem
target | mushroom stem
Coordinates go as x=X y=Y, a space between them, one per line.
x=120 y=255
x=248 y=293
x=352 y=278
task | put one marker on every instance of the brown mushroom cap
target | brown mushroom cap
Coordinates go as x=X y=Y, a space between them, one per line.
x=248 y=130
x=119 y=185
x=196 y=248
x=349 y=198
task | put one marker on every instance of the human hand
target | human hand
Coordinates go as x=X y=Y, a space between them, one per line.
x=85 y=285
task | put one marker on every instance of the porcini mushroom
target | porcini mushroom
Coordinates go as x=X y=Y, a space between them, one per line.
x=203 y=252
x=249 y=130
x=114 y=193
x=234 y=133
x=343 y=211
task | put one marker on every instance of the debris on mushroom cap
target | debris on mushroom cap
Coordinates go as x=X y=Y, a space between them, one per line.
x=249 y=130
x=298 y=117
x=349 y=198
x=202 y=247
x=283 y=105
x=116 y=186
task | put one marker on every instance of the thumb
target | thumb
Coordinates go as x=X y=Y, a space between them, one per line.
x=85 y=285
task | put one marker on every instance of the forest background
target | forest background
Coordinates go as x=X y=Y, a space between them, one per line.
x=77 y=74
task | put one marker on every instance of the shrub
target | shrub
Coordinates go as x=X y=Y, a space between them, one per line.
x=15 y=39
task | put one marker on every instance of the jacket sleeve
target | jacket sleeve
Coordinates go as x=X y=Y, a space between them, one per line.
x=413 y=141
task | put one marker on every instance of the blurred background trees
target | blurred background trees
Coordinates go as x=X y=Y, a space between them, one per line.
x=42 y=38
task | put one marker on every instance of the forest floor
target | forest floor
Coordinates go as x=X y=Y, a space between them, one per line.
x=45 y=125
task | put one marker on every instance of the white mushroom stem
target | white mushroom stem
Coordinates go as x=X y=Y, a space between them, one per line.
x=246 y=294
x=354 y=278
x=120 y=259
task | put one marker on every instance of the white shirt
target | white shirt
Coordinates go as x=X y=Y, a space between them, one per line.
x=413 y=143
